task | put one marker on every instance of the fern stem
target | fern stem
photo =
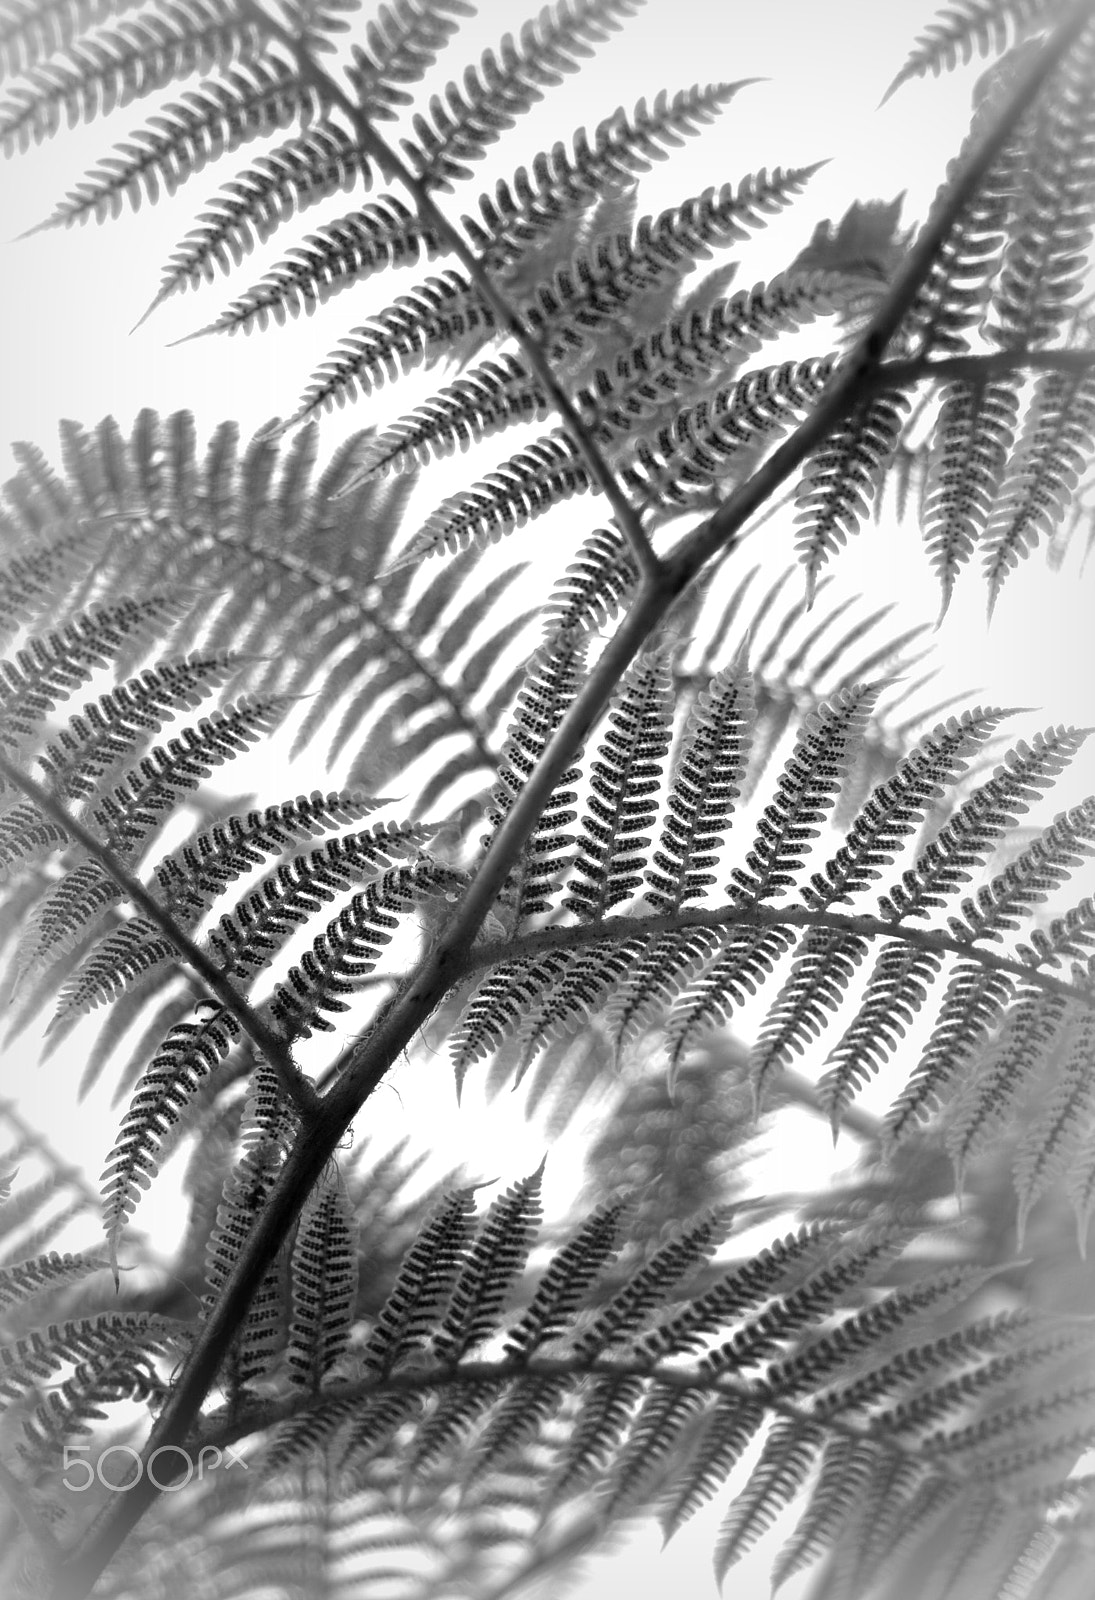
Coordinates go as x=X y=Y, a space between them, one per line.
x=938 y=940
x=980 y=368
x=671 y=1374
x=393 y=166
x=861 y=372
x=78 y=1573
x=265 y=1039
x=363 y=1066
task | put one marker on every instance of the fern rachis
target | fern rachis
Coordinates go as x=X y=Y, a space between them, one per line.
x=616 y=821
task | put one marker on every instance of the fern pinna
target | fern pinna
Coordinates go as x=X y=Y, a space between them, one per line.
x=583 y=845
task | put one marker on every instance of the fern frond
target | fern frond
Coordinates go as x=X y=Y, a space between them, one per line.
x=420 y=326
x=625 y=776
x=822 y=970
x=974 y=1001
x=425 y=1283
x=323 y=1272
x=971 y=27
x=132 y=59
x=648 y=1288
x=626 y=274
x=989 y=1096
x=1056 y=1136
x=346 y=952
x=731 y=1425
x=1038 y=870
x=252 y=101
x=804 y=794
x=657 y=971
x=311 y=22
x=1038 y=488
x=424 y=662
x=191 y=1051
x=200 y=869
x=562 y=183
x=26 y=836
x=547 y=690
x=249 y=936
x=528 y=484
x=135 y=949
x=307 y=168
x=91 y=1340
x=461 y=126
x=973 y=439
x=50 y=666
x=42 y=1275
x=472 y=408
x=707 y=775
x=654 y=1442
x=844 y=476
x=1070 y=935
x=645 y=384
x=963 y=843
x=684 y=1328
x=501 y=1000
x=578 y=986
x=727 y=433
x=141 y=802
x=34 y=29
x=381 y=234
x=111 y=728
x=569 y=1275
x=900 y=804
x=401 y=44
x=744 y=960
x=267 y=1127
x=789 y=1453
x=29 y=583
x=1042 y=268
x=496 y=1256
x=596 y=584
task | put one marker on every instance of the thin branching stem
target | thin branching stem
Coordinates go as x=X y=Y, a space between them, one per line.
x=669 y=1374
x=860 y=374
x=365 y=1063
x=394 y=167
x=979 y=368
x=273 y=1047
x=938 y=941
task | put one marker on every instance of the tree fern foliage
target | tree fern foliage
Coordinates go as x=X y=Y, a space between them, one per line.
x=619 y=822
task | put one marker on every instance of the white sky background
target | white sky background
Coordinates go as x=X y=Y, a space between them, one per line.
x=69 y=301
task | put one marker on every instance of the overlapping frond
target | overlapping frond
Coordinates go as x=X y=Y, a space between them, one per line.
x=1041 y=271
x=319 y=618
x=309 y=167
x=135 y=57
x=1042 y=473
x=380 y=234
x=470 y=116
x=842 y=480
x=968 y=27
x=31 y=31
x=253 y=101
x=435 y=1410
x=645 y=1407
x=692 y=972
x=401 y=44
